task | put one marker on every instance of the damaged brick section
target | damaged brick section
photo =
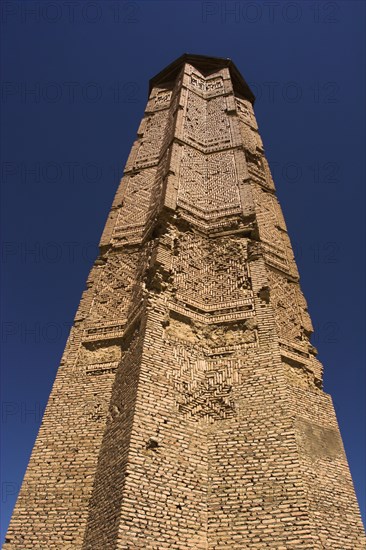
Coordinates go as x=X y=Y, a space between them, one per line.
x=210 y=337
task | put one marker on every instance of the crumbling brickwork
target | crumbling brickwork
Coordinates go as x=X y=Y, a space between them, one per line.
x=188 y=410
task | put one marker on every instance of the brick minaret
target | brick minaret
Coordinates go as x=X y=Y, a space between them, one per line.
x=188 y=410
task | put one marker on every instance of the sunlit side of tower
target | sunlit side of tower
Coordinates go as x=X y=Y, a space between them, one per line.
x=188 y=409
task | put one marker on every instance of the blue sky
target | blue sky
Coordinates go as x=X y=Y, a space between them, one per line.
x=75 y=80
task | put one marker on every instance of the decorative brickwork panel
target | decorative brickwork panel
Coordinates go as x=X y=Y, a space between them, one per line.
x=208 y=184
x=138 y=206
x=160 y=101
x=151 y=142
x=271 y=228
x=113 y=291
x=290 y=308
x=208 y=87
x=204 y=388
x=221 y=278
x=245 y=112
x=206 y=122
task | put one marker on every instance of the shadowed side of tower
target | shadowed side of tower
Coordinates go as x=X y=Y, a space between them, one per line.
x=188 y=409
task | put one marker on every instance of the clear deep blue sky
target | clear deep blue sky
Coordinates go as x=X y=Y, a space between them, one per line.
x=74 y=89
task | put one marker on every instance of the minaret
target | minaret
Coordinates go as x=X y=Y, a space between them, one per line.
x=188 y=410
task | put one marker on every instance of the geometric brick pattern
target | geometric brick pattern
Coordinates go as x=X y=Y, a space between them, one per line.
x=208 y=183
x=188 y=409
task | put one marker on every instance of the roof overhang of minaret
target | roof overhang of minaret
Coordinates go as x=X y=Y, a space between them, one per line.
x=204 y=64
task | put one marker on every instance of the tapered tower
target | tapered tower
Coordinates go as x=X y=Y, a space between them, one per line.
x=188 y=410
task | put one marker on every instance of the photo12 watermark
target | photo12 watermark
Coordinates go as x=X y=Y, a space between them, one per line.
x=327 y=252
x=48 y=252
x=31 y=333
x=268 y=11
x=313 y=172
x=292 y=91
x=68 y=92
x=73 y=12
x=54 y=172
x=326 y=332
x=22 y=412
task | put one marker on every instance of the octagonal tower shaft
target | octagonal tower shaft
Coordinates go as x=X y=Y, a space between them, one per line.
x=188 y=409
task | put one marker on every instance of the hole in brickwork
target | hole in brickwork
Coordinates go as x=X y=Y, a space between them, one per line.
x=264 y=294
x=152 y=443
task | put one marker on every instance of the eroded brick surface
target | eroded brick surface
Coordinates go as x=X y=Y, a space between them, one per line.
x=188 y=409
